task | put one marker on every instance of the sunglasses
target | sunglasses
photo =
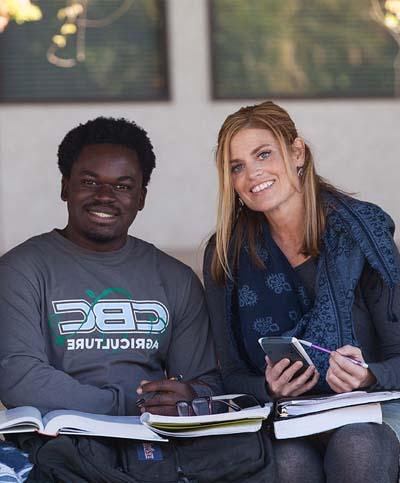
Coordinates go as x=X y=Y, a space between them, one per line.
x=203 y=406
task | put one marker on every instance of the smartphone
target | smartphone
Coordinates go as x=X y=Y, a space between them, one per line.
x=278 y=348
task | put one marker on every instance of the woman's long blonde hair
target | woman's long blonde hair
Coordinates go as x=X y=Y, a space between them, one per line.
x=231 y=217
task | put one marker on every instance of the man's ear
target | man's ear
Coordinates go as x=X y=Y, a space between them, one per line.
x=142 y=199
x=64 y=188
x=298 y=150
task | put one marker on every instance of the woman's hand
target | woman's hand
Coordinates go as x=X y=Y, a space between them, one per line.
x=281 y=381
x=343 y=375
x=160 y=397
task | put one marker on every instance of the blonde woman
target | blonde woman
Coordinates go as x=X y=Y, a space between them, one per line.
x=292 y=255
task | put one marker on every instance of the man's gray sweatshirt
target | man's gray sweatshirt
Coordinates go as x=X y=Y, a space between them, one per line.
x=80 y=329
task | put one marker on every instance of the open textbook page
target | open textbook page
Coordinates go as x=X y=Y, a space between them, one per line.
x=27 y=418
x=20 y=420
x=78 y=423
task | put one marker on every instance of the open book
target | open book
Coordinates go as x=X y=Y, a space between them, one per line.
x=305 y=416
x=147 y=427
x=27 y=418
x=244 y=421
x=300 y=406
x=333 y=418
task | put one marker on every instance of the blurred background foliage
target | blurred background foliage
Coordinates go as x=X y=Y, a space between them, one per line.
x=110 y=57
x=301 y=48
x=99 y=50
x=19 y=11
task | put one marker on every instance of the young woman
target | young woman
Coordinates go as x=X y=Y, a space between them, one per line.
x=292 y=255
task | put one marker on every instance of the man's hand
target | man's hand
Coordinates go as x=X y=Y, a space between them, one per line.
x=281 y=381
x=160 y=397
x=343 y=375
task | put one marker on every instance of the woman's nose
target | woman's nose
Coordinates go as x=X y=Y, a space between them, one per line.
x=255 y=170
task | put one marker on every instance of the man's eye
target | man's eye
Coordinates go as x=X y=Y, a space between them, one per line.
x=264 y=154
x=236 y=168
x=122 y=187
x=88 y=182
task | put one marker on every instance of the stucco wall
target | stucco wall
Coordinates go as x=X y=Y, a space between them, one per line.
x=355 y=143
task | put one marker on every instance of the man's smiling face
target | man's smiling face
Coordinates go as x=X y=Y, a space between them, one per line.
x=104 y=193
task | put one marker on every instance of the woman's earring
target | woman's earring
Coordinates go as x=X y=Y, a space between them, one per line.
x=238 y=210
x=300 y=171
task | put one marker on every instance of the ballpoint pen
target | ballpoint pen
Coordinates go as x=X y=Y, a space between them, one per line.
x=148 y=395
x=322 y=349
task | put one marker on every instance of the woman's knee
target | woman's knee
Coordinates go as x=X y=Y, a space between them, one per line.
x=366 y=440
x=362 y=452
x=291 y=455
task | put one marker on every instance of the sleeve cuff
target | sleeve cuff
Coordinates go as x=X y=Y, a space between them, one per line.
x=201 y=389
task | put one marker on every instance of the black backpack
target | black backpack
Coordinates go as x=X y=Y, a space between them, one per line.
x=244 y=458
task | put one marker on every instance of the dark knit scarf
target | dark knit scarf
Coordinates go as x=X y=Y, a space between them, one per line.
x=273 y=301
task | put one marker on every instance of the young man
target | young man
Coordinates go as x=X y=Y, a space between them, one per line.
x=89 y=314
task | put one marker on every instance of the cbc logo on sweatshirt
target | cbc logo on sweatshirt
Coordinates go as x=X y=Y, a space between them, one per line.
x=111 y=316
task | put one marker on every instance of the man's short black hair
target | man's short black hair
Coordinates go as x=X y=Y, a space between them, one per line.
x=107 y=130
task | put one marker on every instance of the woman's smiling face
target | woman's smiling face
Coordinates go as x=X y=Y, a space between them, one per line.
x=258 y=170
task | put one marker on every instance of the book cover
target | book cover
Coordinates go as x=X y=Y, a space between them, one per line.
x=326 y=420
x=300 y=406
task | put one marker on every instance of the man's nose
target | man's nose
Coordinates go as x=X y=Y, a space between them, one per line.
x=105 y=191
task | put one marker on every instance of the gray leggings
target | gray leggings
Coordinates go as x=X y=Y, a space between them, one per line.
x=356 y=453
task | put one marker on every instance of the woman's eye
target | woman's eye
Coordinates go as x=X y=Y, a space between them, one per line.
x=264 y=154
x=236 y=168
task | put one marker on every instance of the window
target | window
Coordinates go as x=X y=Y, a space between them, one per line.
x=117 y=52
x=302 y=49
